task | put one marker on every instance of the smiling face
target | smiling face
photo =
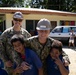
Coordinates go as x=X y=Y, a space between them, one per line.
x=17 y=22
x=18 y=46
x=54 y=53
x=43 y=34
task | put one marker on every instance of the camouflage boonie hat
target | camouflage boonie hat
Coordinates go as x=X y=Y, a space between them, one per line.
x=18 y=15
x=43 y=24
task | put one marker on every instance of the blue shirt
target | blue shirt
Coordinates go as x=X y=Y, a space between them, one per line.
x=1 y=64
x=34 y=62
x=52 y=68
x=3 y=72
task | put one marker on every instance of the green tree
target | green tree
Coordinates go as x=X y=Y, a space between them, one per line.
x=27 y=3
x=11 y=3
x=35 y=3
x=70 y=5
x=74 y=6
x=62 y=5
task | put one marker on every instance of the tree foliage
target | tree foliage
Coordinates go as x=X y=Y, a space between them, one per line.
x=62 y=5
x=11 y=3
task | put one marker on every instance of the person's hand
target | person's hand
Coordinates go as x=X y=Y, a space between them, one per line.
x=25 y=66
x=66 y=61
x=18 y=70
x=58 y=61
x=9 y=64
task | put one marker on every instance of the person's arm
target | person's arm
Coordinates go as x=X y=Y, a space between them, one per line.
x=18 y=70
x=28 y=42
x=37 y=62
x=40 y=71
x=26 y=33
x=62 y=68
x=25 y=66
x=3 y=54
x=16 y=57
x=63 y=53
x=66 y=58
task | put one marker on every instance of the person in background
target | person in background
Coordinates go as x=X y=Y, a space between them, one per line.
x=5 y=44
x=71 y=39
x=2 y=71
x=41 y=43
x=31 y=64
x=56 y=63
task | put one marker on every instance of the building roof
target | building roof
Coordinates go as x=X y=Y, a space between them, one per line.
x=4 y=10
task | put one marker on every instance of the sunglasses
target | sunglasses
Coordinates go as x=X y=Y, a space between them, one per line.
x=15 y=19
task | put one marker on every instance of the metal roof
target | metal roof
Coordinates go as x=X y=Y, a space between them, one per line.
x=35 y=11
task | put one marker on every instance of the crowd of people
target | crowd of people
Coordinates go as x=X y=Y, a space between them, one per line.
x=23 y=54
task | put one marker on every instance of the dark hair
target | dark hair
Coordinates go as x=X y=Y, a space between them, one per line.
x=58 y=45
x=16 y=38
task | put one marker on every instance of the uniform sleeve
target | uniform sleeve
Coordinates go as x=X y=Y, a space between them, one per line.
x=36 y=59
x=17 y=58
x=27 y=43
x=67 y=67
x=3 y=40
x=66 y=56
x=26 y=33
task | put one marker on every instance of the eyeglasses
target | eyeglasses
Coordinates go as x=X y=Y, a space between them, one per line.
x=15 y=19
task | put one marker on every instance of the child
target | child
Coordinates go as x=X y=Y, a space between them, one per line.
x=2 y=71
x=32 y=64
x=56 y=64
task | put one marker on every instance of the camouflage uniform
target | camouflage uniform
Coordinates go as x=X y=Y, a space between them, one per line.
x=6 y=49
x=41 y=50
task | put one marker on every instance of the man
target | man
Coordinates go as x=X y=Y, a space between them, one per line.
x=5 y=45
x=41 y=43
